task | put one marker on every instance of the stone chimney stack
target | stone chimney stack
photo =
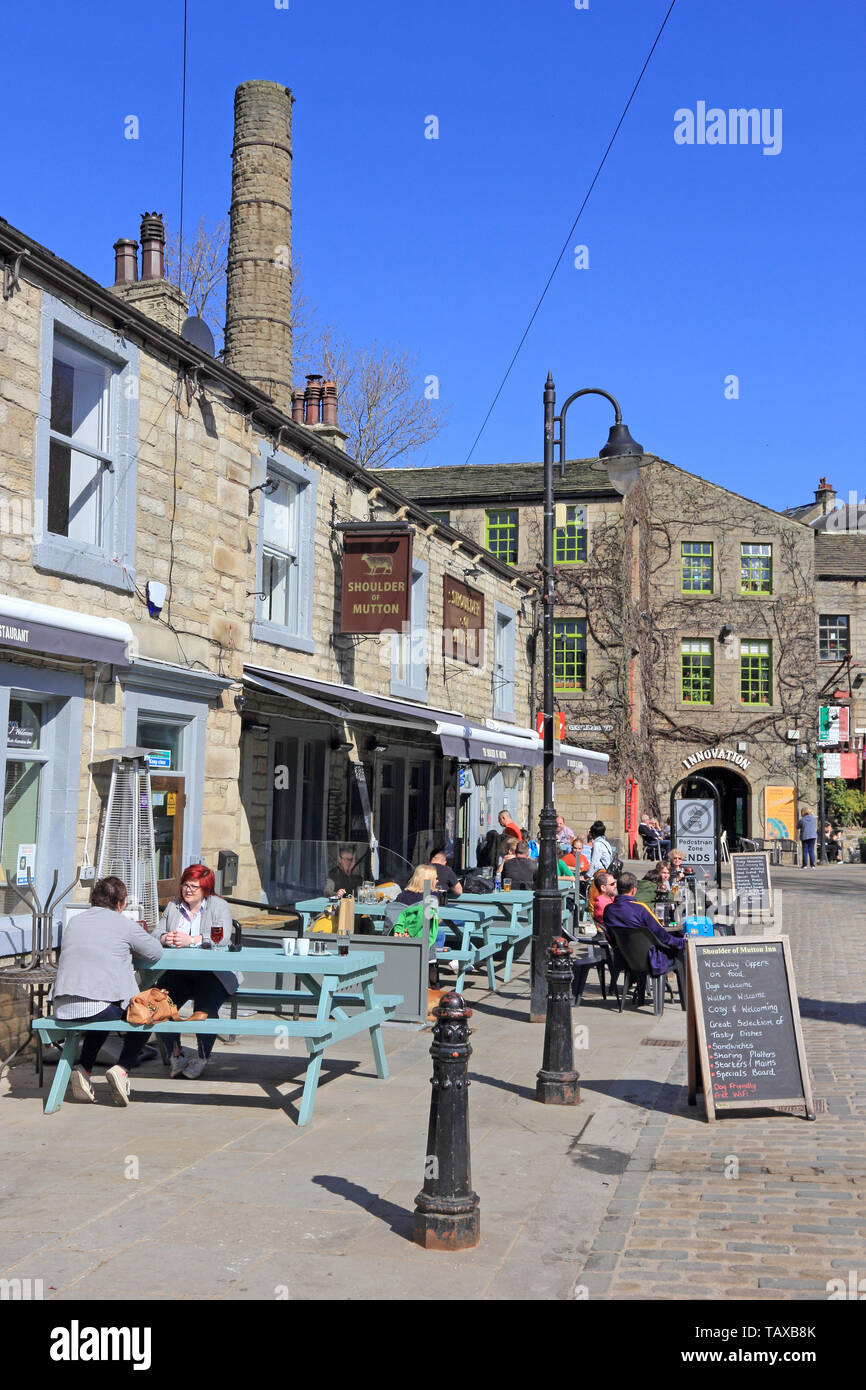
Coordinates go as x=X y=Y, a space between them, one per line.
x=825 y=496
x=152 y=294
x=258 y=338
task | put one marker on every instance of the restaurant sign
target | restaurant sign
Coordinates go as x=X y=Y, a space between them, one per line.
x=716 y=755
x=462 y=622
x=377 y=580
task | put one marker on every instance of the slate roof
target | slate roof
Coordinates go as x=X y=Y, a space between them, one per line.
x=486 y=482
x=840 y=557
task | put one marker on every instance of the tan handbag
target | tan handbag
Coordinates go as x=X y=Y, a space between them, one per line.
x=151 y=1006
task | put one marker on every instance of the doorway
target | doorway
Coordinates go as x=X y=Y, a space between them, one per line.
x=168 y=800
x=734 y=795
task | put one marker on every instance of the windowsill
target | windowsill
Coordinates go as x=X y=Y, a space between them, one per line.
x=505 y=714
x=264 y=631
x=406 y=692
x=57 y=555
x=695 y=593
x=747 y=593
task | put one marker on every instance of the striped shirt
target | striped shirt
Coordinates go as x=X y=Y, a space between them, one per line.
x=73 y=1006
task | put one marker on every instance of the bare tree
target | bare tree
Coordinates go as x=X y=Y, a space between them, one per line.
x=383 y=408
x=199 y=270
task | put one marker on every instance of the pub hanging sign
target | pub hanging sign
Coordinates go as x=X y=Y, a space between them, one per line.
x=463 y=622
x=376 y=581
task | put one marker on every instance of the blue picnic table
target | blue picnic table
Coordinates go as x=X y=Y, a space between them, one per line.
x=333 y=982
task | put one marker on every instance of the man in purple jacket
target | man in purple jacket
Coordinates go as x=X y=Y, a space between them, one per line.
x=626 y=913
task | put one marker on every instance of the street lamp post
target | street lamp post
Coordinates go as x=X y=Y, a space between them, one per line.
x=547 y=904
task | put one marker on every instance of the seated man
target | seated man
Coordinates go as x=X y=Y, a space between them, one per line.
x=625 y=913
x=343 y=879
x=651 y=837
x=520 y=870
x=446 y=879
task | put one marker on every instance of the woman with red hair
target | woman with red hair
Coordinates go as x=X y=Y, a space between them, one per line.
x=189 y=920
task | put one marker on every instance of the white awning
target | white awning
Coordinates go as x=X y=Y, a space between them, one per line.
x=39 y=627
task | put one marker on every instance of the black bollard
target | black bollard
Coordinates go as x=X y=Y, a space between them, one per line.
x=557 y=1080
x=446 y=1208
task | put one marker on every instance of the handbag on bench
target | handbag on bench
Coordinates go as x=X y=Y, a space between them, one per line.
x=151 y=1006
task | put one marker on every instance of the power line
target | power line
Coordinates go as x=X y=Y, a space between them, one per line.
x=182 y=131
x=567 y=241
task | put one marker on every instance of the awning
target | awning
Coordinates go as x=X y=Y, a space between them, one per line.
x=474 y=743
x=459 y=738
x=38 y=627
x=567 y=758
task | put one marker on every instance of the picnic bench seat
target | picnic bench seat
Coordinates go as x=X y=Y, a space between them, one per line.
x=316 y=1033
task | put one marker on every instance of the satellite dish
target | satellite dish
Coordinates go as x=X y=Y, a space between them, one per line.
x=196 y=331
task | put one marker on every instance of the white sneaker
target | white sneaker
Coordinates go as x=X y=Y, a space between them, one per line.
x=454 y=965
x=119 y=1084
x=80 y=1085
x=179 y=1064
x=194 y=1067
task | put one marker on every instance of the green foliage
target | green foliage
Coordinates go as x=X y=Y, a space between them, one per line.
x=844 y=805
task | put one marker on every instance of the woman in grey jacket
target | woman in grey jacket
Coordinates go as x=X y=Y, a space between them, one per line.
x=189 y=920
x=96 y=980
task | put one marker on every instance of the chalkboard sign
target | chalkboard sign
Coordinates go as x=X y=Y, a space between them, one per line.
x=751 y=883
x=744 y=1025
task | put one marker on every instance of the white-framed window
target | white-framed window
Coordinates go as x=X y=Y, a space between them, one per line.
x=86 y=449
x=503 y=661
x=409 y=648
x=287 y=520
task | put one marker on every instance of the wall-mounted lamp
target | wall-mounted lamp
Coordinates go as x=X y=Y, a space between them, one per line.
x=482 y=772
x=726 y=633
x=250 y=726
x=341 y=745
x=374 y=746
x=268 y=487
x=511 y=775
x=240 y=702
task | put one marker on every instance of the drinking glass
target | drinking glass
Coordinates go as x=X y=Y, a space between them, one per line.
x=216 y=936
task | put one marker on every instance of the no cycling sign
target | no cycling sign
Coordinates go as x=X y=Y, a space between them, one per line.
x=696 y=830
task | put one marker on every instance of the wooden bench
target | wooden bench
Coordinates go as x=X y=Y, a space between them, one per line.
x=322 y=977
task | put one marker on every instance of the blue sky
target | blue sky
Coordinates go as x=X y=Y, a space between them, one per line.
x=705 y=262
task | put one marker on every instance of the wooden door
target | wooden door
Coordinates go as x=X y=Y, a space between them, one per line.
x=169 y=800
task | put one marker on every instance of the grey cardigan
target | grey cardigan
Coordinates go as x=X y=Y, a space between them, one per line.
x=213 y=910
x=96 y=956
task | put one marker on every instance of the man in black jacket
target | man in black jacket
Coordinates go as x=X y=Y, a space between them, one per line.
x=520 y=870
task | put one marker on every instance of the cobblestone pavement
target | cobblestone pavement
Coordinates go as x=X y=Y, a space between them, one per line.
x=766 y=1206
x=624 y=1196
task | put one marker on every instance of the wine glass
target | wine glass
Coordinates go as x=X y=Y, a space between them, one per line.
x=216 y=933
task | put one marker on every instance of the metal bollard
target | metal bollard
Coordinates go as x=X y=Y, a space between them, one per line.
x=446 y=1208
x=557 y=1080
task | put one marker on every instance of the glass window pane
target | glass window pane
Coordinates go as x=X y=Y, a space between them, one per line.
x=276 y=583
x=25 y=723
x=697 y=672
x=280 y=524
x=569 y=654
x=502 y=534
x=697 y=567
x=166 y=740
x=833 y=636
x=79 y=404
x=20 y=812
x=74 y=494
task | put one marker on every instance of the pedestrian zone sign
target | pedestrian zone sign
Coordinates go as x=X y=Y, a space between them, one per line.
x=696 y=830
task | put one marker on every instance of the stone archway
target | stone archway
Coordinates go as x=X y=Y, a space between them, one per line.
x=735 y=794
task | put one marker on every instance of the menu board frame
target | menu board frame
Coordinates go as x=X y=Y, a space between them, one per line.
x=751 y=854
x=699 y=1077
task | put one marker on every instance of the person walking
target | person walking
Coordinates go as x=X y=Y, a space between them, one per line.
x=808 y=830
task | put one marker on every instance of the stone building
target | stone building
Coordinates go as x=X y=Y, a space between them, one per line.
x=172 y=533
x=691 y=630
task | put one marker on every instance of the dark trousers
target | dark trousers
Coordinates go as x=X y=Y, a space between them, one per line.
x=207 y=995
x=808 y=853
x=130 y=1048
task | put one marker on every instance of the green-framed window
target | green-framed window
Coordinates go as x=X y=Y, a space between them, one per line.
x=755 y=673
x=443 y=517
x=569 y=654
x=696 y=567
x=756 y=568
x=501 y=537
x=696 y=665
x=569 y=541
